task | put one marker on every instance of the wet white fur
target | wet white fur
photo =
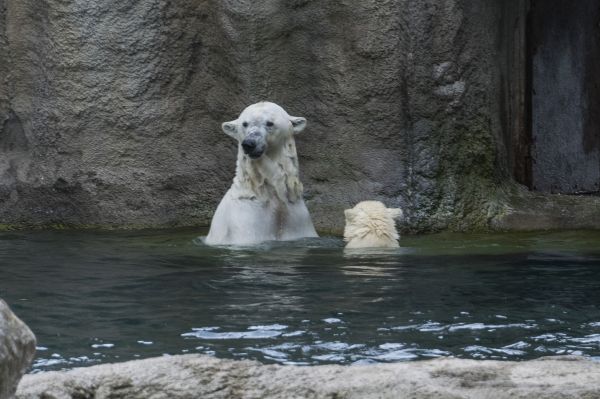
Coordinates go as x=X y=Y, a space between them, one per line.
x=265 y=200
x=371 y=225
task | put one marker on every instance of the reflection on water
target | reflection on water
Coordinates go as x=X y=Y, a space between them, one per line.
x=105 y=297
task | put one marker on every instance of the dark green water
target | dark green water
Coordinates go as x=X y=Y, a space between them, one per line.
x=106 y=297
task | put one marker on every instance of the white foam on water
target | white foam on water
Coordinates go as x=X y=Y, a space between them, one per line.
x=400 y=328
x=294 y=333
x=391 y=346
x=332 y=320
x=270 y=353
x=329 y=358
x=48 y=362
x=483 y=326
x=431 y=326
x=336 y=346
x=517 y=345
x=257 y=334
x=510 y=352
x=57 y=359
x=398 y=355
x=477 y=348
x=588 y=339
x=79 y=359
x=285 y=346
x=95 y=346
x=275 y=327
x=363 y=362
x=490 y=351
x=432 y=352
x=558 y=337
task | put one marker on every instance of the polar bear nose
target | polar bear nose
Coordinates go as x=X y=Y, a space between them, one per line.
x=248 y=145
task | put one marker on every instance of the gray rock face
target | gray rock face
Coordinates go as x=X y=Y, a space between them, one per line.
x=110 y=111
x=17 y=349
x=193 y=376
x=566 y=97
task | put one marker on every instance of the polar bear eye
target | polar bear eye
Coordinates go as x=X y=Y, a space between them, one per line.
x=245 y=124
x=269 y=123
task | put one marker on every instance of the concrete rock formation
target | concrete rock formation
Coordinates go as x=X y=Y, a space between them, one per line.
x=110 y=111
x=195 y=376
x=17 y=349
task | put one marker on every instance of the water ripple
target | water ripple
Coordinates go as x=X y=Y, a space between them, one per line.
x=134 y=295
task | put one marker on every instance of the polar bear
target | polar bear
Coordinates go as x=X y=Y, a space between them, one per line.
x=371 y=225
x=265 y=200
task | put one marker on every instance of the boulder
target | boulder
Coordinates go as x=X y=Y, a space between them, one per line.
x=17 y=348
x=198 y=376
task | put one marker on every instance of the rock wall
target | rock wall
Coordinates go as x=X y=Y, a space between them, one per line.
x=566 y=96
x=110 y=111
x=193 y=376
x=17 y=349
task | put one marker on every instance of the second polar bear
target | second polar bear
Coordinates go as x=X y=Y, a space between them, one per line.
x=265 y=200
x=371 y=225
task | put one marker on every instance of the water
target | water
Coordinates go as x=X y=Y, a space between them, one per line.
x=105 y=297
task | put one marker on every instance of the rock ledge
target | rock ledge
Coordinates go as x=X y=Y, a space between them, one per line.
x=198 y=376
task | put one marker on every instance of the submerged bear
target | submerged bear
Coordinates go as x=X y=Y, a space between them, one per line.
x=265 y=201
x=371 y=225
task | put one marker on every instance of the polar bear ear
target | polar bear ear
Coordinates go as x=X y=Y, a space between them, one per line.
x=230 y=129
x=349 y=213
x=298 y=123
x=395 y=213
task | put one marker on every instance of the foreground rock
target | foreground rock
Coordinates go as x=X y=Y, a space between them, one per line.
x=195 y=376
x=17 y=348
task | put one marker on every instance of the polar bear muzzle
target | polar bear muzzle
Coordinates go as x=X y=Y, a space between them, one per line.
x=254 y=144
x=251 y=148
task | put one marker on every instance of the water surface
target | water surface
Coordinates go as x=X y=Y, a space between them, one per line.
x=104 y=297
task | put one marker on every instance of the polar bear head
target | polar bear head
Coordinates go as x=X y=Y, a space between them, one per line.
x=262 y=126
x=371 y=224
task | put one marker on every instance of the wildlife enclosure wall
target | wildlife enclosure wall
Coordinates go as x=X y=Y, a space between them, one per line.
x=565 y=92
x=111 y=110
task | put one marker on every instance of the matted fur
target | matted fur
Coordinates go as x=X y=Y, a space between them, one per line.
x=371 y=225
x=265 y=200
